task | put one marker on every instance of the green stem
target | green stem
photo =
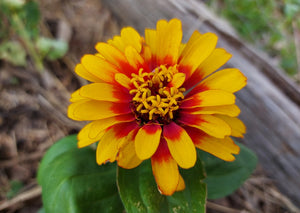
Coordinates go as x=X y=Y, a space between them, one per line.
x=38 y=63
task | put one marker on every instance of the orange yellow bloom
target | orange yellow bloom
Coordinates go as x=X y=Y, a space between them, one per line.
x=158 y=98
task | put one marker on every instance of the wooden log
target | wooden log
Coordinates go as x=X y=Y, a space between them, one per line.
x=269 y=103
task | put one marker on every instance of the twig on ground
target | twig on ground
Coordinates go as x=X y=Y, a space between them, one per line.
x=224 y=209
x=28 y=195
x=288 y=204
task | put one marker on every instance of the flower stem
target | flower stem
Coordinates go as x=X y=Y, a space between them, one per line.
x=25 y=37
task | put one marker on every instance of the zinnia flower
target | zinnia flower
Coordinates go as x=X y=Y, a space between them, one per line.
x=158 y=98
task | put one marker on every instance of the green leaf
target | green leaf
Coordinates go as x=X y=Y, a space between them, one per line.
x=13 y=4
x=291 y=10
x=139 y=192
x=72 y=181
x=41 y=210
x=223 y=177
x=15 y=187
x=51 y=48
x=30 y=14
x=13 y=52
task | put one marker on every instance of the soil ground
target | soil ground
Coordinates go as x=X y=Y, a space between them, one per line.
x=33 y=113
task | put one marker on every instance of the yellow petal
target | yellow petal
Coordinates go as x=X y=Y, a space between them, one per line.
x=147 y=56
x=109 y=144
x=104 y=92
x=115 y=57
x=221 y=148
x=83 y=136
x=107 y=148
x=198 y=48
x=209 y=98
x=117 y=42
x=110 y=53
x=178 y=80
x=181 y=48
x=169 y=35
x=151 y=40
x=213 y=62
x=238 y=128
x=147 y=140
x=208 y=123
x=127 y=157
x=181 y=184
x=82 y=72
x=180 y=145
x=95 y=110
x=131 y=37
x=123 y=80
x=99 y=67
x=134 y=58
x=75 y=96
x=165 y=170
x=230 y=110
x=230 y=80
x=98 y=127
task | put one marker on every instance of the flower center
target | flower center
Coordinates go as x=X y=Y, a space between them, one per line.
x=153 y=97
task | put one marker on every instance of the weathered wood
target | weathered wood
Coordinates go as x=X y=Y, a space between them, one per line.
x=269 y=103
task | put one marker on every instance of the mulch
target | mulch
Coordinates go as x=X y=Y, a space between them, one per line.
x=33 y=109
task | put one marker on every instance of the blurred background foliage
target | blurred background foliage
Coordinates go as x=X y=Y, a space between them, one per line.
x=273 y=26
x=20 y=35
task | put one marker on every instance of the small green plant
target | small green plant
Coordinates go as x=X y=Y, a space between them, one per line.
x=20 y=36
x=15 y=187
x=272 y=25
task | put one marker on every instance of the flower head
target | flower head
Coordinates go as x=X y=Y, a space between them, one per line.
x=158 y=98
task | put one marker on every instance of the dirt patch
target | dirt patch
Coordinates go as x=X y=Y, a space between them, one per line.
x=33 y=112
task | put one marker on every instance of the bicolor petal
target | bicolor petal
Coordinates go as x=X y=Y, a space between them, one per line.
x=230 y=110
x=127 y=157
x=83 y=136
x=221 y=148
x=75 y=97
x=84 y=73
x=210 y=124
x=128 y=37
x=209 y=98
x=123 y=80
x=165 y=169
x=147 y=140
x=135 y=59
x=94 y=131
x=169 y=35
x=238 y=128
x=197 y=49
x=151 y=41
x=95 y=110
x=181 y=184
x=114 y=56
x=230 y=80
x=98 y=127
x=108 y=146
x=178 y=80
x=100 y=68
x=105 y=92
x=213 y=62
x=180 y=145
